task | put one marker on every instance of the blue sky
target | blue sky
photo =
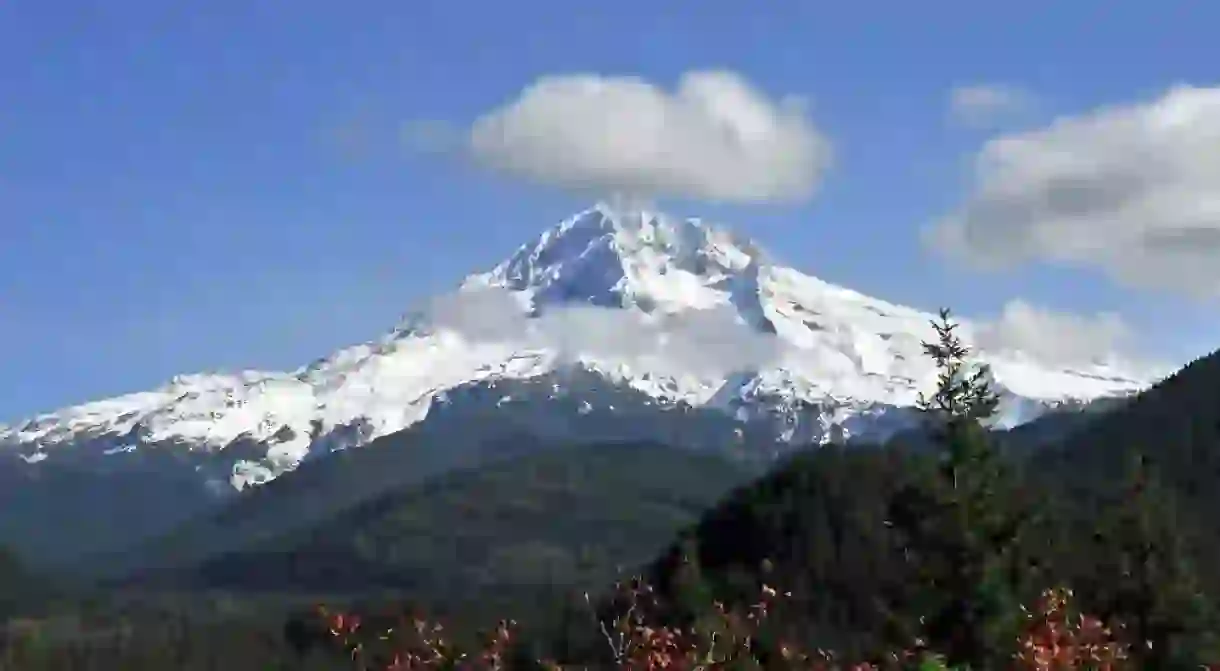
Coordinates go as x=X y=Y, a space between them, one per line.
x=198 y=186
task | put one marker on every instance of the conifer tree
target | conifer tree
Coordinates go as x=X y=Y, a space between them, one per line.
x=958 y=528
x=15 y=583
x=1145 y=580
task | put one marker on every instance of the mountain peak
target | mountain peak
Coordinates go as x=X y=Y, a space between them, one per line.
x=811 y=355
x=616 y=255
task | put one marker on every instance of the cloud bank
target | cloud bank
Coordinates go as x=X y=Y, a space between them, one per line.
x=714 y=343
x=987 y=104
x=1132 y=190
x=1059 y=338
x=715 y=137
x=709 y=343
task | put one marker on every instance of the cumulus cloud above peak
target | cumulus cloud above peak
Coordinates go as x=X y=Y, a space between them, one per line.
x=1133 y=190
x=714 y=137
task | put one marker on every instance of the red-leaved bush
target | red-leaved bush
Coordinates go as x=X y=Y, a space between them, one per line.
x=1053 y=639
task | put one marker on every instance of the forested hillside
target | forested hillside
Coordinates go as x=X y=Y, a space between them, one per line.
x=494 y=538
x=1121 y=509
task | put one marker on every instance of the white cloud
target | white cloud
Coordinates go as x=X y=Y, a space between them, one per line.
x=711 y=343
x=1133 y=190
x=985 y=104
x=714 y=137
x=479 y=314
x=1055 y=337
x=714 y=343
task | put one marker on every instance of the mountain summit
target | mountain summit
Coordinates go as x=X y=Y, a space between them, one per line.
x=675 y=311
x=633 y=258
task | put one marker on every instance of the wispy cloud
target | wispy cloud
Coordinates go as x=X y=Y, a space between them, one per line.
x=982 y=105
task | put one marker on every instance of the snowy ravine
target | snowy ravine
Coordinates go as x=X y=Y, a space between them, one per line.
x=682 y=311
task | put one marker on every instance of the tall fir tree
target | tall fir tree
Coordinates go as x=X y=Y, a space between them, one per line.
x=959 y=527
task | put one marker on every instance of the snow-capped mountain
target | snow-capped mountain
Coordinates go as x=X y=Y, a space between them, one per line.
x=681 y=311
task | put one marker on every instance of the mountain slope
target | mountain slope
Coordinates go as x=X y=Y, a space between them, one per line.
x=607 y=313
x=1175 y=425
x=467 y=430
x=560 y=518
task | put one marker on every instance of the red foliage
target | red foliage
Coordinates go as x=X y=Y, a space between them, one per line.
x=1054 y=640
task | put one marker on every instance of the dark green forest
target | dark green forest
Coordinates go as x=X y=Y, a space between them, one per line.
x=939 y=539
x=494 y=539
